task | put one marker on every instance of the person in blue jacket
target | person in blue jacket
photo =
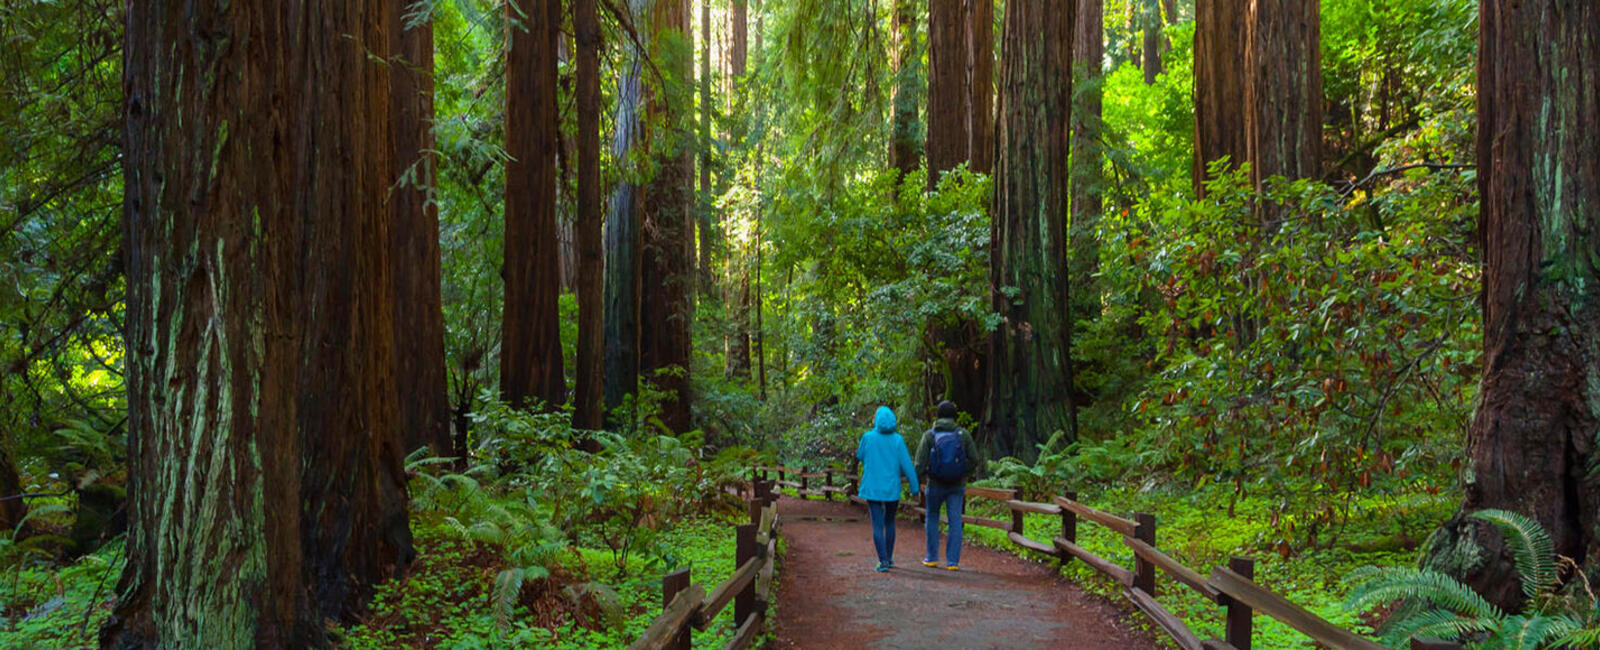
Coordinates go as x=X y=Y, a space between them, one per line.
x=884 y=458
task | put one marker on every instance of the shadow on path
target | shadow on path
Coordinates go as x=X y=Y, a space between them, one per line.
x=829 y=596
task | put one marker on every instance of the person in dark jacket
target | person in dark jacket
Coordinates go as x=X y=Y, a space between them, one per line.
x=884 y=459
x=948 y=491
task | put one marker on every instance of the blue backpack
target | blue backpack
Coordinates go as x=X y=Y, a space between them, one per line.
x=948 y=459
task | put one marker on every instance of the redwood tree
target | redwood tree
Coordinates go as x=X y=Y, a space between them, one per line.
x=1088 y=43
x=589 y=394
x=947 y=88
x=905 y=152
x=1532 y=441
x=530 y=331
x=667 y=272
x=414 y=245
x=980 y=84
x=1030 y=394
x=622 y=241
x=265 y=483
x=1219 y=44
x=1283 y=89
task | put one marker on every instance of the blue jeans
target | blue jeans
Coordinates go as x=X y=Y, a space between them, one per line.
x=952 y=499
x=883 y=513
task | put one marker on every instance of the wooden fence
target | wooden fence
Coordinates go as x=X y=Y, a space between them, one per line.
x=687 y=606
x=1231 y=587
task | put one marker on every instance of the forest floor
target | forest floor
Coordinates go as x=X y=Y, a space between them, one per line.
x=830 y=597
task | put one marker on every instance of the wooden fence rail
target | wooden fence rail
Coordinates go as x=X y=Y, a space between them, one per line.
x=687 y=606
x=1232 y=587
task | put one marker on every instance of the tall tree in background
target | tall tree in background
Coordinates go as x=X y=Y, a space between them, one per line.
x=589 y=392
x=737 y=346
x=530 y=349
x=1030 y=362
x=1087 y=181
x=905 y=151
x=1283 y=90
x=1153 y=42
x=1532 y=440
x=947 y=88
x=265 y=480
x=980 y=84
x=704 y=209
x=623 y=238
x=668 y=265
x=414 y=245
x=1219 y=44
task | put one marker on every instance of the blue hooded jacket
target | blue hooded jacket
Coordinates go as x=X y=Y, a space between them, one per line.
x=884 y=458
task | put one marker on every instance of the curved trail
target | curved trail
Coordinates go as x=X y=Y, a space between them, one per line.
x=829 y=596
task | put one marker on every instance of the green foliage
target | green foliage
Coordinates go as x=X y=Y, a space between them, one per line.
x=1438 y=605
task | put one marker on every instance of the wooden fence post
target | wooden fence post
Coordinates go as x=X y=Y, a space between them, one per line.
x=1017 y=517
x=1144 y=573
x=802 y=491
x=754 y=507
x=744 y=604
x=827 y=482
x=670 y=586
x=1238 y=625
x=1069 y=522
x=922 y=501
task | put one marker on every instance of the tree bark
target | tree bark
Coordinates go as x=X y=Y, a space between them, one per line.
x=1283 y=91
x=1532 y=441
x=1219 y=95
x=737 y=344
x=905 y=152
x=707 y=211
x=589 y=393
x=530 y=349
x=266 y=488
x=947 y=88
x=421 y=378
x=668 y=270
x=1150 y=13
x=623 y=240
x=980 y=85
x=1030 y=394
x=1087 y=182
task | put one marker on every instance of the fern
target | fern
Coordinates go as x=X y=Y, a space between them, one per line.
x=1434 y=623
x=1584 y=639
x=1530 y=632
x=1376 y=586
x=1534 y=551
x=507 y=588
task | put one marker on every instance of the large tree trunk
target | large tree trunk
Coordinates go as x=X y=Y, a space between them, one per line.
x=1219 y=44
x=947 y=88
x=980 y=85
x=1030 y=394
x=1150 y=15
x=623 y=239
x=668 y=270
x=589 y=393
x=414 y=244
x=13 y=508
x=1532 y=440
x=1283 y=91
x=707 y=221
x=266 y=487
x=530 y=331
x=904 y=153
x=1087 y=181
x=737 y=344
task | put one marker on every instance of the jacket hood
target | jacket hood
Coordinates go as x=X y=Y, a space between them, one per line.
x=885 y=421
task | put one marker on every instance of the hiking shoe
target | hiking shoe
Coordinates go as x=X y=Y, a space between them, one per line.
x=882 y=567
x=929 y=563
x=953 y=568
x=889 y=564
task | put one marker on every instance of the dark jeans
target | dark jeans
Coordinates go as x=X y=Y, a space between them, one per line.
x=952 y=498
x=883 y=513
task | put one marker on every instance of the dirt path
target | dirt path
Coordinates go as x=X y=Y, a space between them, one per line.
x=829 y=596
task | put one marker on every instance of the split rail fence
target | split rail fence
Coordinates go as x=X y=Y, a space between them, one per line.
x=1231 y=587
x=687 y=606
